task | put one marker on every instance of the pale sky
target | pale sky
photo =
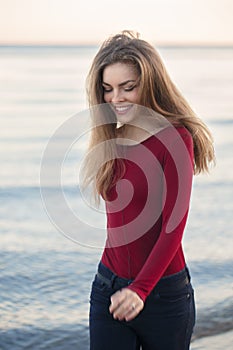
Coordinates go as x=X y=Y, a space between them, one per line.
x=92 y=21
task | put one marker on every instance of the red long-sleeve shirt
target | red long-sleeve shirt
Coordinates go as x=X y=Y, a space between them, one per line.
x=148 y=207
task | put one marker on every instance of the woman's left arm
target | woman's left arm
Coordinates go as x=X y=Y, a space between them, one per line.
x=178 y=173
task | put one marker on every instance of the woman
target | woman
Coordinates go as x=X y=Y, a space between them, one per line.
x=151 y=144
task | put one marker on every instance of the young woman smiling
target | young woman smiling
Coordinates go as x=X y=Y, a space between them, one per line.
x=142 y=295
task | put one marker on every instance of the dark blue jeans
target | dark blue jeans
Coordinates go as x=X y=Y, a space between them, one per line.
x=165 y=323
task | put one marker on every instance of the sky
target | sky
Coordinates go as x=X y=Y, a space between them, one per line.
x=92 y=21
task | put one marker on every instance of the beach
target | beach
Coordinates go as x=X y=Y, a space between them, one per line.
x=46 y=274
x=217 y=342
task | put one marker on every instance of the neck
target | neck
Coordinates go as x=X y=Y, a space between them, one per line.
x=132 y=132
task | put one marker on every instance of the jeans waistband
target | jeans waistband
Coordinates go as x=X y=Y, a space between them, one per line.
x=172 y=282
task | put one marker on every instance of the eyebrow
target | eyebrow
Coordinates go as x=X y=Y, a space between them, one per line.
x=123 y=83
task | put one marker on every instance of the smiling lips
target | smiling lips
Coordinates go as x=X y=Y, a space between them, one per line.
x=121 y=110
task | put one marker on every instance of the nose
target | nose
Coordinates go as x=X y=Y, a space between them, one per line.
x=117 y=96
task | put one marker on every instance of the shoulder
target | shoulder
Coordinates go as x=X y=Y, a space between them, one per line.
x=176 y=140
x=173 y=134
x=169 y=140
x=185 y=135
x=183 y=132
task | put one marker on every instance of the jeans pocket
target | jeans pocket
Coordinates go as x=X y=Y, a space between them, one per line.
x=182 y=295
x=100 y=291
x=100 y=285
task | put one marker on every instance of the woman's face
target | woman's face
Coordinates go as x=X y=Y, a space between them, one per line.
x=121 y=89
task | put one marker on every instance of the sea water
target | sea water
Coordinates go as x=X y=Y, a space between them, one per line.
x=45 y=277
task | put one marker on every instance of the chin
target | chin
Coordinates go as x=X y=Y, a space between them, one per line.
x=124 y=120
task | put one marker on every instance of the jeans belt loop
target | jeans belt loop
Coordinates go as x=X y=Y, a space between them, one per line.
x=104 y=279
x=113 y=278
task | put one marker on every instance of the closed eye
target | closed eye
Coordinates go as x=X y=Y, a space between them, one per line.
x=130 y=88
x=107 y=89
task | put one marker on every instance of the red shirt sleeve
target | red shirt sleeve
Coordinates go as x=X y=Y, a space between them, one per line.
x=178 y=174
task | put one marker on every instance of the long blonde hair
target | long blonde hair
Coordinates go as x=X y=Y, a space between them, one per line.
x=156 y=91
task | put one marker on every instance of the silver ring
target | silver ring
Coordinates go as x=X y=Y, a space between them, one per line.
x=133 y=306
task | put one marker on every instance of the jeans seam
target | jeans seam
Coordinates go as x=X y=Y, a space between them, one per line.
x=191 y=304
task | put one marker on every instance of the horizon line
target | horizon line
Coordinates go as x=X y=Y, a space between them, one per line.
x=94 y=44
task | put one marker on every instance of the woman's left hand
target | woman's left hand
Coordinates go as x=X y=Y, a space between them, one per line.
x=125 y=304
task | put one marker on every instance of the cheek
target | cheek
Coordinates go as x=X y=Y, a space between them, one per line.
x=107 y=98
x=135 y=97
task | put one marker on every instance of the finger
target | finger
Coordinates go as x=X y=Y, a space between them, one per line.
x=114 y=306
x=124 y=309
x=116 y=300
x=129 y=312
x=132 y=313
x=119 y=312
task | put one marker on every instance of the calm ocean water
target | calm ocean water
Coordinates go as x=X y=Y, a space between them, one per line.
x=45 y=278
